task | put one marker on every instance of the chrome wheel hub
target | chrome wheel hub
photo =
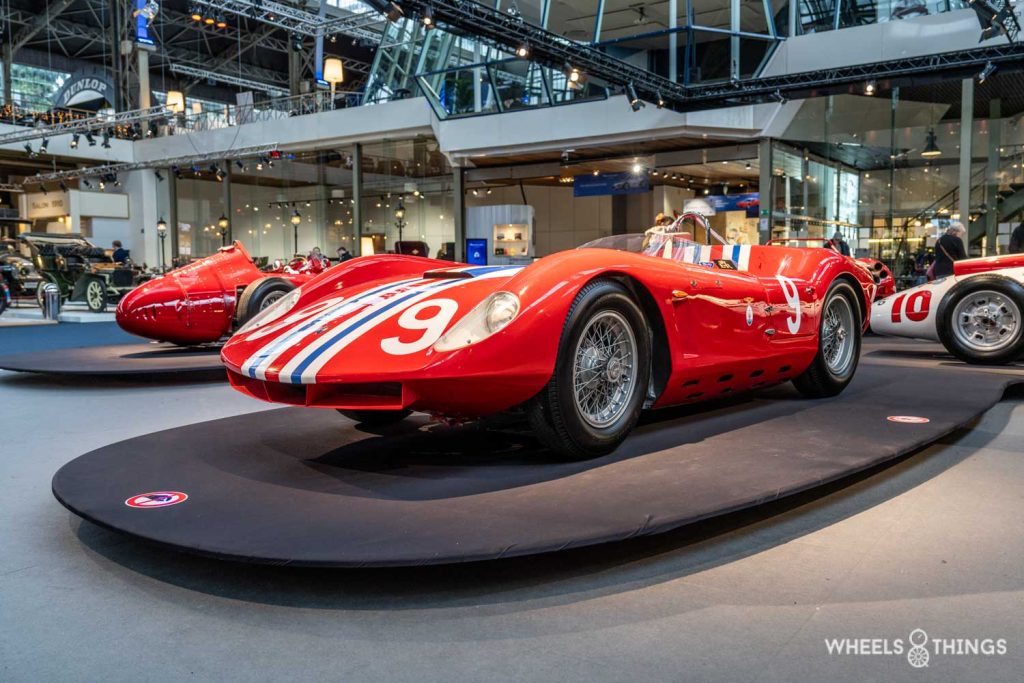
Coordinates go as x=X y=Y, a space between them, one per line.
x=604 y=369
x=270 y=299
x=987 y=321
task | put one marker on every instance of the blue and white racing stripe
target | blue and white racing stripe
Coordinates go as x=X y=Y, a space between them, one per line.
x=378 y=305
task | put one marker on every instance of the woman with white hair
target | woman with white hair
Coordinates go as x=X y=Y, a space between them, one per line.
x=949 y=248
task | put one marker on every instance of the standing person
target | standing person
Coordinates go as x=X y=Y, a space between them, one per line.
x=1017 y=240
x=343 y=254
x=120 y=254
x=841 y=244
x=949 y=248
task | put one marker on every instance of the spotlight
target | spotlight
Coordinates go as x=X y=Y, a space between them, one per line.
x=209 y=21
x=779 y=97
x=637 y=168
x=221 y=23
x=239 y=164
x=488 y=190
x=573 y=74
x=660 y=100
x=102 y=184
x=43 y=188
x=476 y=193
x=28 y=149
x=153 y=129
x=106 y=140
x=86 y=183
x=389 y=9
x=90 y=139
x=748 y=167
x=62 y=186
x=869 y=88
x=117 y=183
x=334 y=38
x=523 y=51
x=176 y=170
x=195 y=14
x=259 y=165
x=428 y=17
x=989 y=69
x=297 y=42
x=634 y=100
x=74 y=141
x=159 y=176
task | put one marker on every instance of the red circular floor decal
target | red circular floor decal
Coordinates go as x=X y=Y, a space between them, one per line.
x=908 y=419
x=156 y=499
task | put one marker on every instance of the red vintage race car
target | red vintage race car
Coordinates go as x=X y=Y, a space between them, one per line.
x=883 y=277
x=204 y=301
x=583 y=340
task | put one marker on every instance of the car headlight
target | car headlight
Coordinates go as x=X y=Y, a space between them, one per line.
x=489 y=316
x=271 y=312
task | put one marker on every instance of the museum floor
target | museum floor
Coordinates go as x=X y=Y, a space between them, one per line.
x=932 y=542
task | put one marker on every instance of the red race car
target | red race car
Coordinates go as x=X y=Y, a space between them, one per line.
x=205 y=300
x=583 y=339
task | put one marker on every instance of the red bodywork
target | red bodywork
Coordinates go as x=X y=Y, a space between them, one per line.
x=362 y=334
x=886 y=282
x=983 y=265
x=195 y=304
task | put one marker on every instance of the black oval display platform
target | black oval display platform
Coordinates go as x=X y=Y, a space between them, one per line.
x=146 y=358
x=308 y=487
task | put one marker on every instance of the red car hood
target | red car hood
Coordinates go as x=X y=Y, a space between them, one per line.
x=370 y=331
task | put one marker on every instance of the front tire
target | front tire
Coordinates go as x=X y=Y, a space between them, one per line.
x=602 y=371
x=258 y=295
x=839 y=340
x=375 y=418
x=980 y=320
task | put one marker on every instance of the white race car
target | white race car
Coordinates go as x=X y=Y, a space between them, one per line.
x=976 y=313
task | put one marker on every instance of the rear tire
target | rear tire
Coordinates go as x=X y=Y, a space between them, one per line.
x=839 y=340
x=258 y=295
x=602 y=371
x=376 y=418
x=980 y=320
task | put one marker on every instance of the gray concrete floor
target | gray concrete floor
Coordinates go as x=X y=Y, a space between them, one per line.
x=933 y=542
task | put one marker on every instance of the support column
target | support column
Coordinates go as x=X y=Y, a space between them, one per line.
x=673 y=41
x=357 y=197
x=734 y=40
x=966 y=138
x=8 y=58
x=144 y=90
x=766 y=193
x=172 y=217
x=226 y=165
x=144 y=200
x=991 y=218
x=459 y=211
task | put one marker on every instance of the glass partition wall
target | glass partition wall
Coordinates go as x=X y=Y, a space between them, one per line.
x=281 y=205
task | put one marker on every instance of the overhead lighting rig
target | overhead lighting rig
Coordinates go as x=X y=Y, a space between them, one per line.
x=295 y=20
x=87 y=126
x=108 y=171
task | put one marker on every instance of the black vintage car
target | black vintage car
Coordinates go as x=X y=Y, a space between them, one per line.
x=17 y=270
x=83 y=271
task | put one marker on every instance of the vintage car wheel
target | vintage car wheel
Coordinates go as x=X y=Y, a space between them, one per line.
x=980 y=320
x=597 y=390
x=96 y=295
x=258 y=295
x=375 y=417
x=839 y=339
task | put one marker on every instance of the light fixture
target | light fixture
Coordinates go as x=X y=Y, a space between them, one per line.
x=869 y=88
x=523 y=51
x=428 y=17
x=106 y=140
x=296 y=217
x=747 y=166
x=222 y=222
x=90 y=139
x=779 y=97
x=74 y=141
x=161 y=225
x=43 y=188
x=931 y=148
x=196 y=14
x=63 y=187
x=159 y=176
x=221 y=23
x=175 y=101
x=637 y=168
x=28 y=149
x=400 y=211
x=989 y=69
x=634 y=100
x=334 y=73
x=102 y=184
x=660 y=100
x=297 y=42
x=595 y=172
x=209 y=21
x=240 y=165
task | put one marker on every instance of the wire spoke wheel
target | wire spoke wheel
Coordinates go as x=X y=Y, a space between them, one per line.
x=987 y=321
x=837 y=334
x=604 y=373
x=271 y=298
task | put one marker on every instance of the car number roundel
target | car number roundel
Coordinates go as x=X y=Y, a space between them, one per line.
x=439 y=312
